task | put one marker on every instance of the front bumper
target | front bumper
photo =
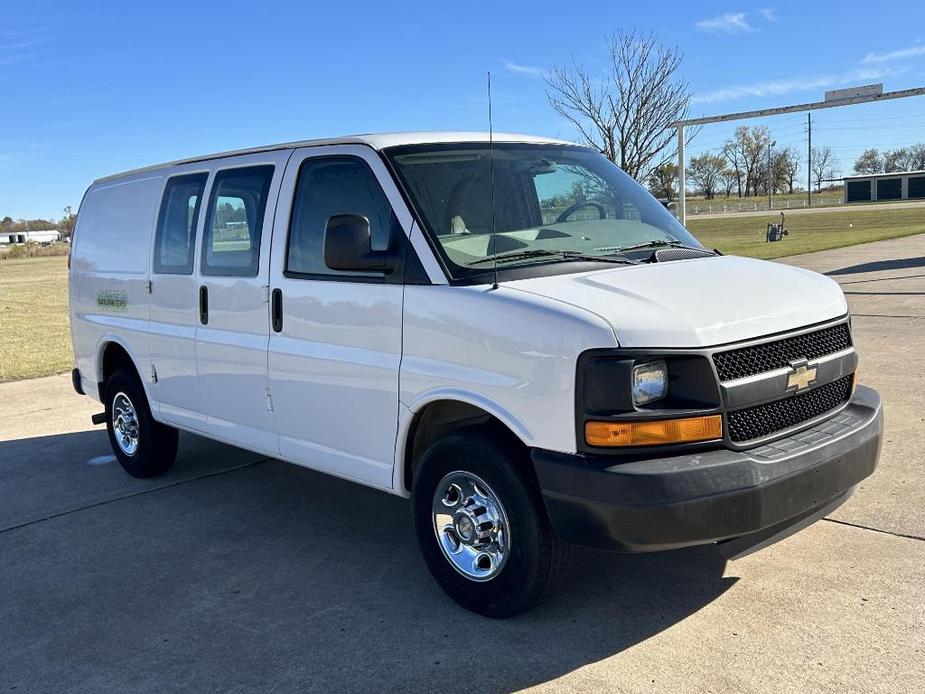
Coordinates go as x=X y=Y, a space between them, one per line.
x=659 y=503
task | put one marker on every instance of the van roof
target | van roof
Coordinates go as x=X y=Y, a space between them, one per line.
x=377 y=141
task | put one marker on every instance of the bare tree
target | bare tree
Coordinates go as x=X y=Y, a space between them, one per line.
x=786 y=167
x=705 y=172
x=628 y=111
x=736 y=159
x=824 y=166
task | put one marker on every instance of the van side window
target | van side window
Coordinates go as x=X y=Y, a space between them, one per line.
x=176 y=224
x=329 y=186
x=231 y=241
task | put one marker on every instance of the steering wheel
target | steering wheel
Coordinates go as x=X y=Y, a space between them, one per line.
x=567 y=212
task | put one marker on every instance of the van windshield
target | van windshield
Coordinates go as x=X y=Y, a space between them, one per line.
x=552 y=203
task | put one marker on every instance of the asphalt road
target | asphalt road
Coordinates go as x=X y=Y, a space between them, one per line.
x=234 y=573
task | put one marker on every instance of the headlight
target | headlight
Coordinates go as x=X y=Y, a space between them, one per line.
x=650 y=382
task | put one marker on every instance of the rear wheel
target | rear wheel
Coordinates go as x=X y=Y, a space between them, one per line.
x=144 y=447
x=482 y=526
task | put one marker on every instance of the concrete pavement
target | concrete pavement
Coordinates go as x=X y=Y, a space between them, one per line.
x=232 y=573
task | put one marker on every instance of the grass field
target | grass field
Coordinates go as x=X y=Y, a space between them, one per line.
x=808 y=232
x=34 y=337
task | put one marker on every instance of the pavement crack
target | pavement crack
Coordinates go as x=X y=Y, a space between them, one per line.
x=876 y=530
x=142 y=492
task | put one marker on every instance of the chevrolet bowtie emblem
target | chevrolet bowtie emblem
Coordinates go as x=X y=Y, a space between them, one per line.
x=801 y=376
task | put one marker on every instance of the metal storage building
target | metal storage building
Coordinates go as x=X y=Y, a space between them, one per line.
x=41 y=236
x=900 y=185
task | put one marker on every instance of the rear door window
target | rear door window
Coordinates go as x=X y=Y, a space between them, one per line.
x=175 y=237
x=231 y=241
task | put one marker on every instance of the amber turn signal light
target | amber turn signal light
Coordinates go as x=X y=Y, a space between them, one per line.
x=654 y=433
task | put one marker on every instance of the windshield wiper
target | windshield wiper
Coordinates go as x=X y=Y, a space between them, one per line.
x=654 y=243
x=545 y=253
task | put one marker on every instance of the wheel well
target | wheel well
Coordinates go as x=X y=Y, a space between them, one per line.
x=439 y=418
x=113 y=358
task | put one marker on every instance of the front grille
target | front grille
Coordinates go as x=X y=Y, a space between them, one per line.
x=763 y=420
x=756 y=359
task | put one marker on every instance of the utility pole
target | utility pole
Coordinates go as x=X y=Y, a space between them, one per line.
x=682 y=179
x=770 y=182
x=809 y=159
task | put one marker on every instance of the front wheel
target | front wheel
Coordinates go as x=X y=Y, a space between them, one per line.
x=482 y=526
x=143 y=446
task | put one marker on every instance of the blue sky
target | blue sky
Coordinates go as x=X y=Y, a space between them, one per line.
x=88 y=89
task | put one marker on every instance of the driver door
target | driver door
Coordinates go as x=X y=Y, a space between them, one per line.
x=336 y=339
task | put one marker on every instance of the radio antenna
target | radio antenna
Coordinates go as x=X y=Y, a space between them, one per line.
x=491 y=181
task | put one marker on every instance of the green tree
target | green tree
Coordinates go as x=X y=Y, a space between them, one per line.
x=747 y=153
x=67 y=223
x=730 y=179
x=870 y=162
x=897 y=160
x=663 y=181
x=705 y=172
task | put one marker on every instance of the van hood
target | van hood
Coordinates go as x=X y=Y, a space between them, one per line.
x=696 y=303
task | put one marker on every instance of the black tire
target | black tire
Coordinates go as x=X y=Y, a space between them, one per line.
x=156 y=448
x=537 y=560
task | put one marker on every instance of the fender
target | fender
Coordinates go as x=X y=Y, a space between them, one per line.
x=101 y=345
x=407 y=413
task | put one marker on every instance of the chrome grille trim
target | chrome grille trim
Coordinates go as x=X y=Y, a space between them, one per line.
x=771 y=354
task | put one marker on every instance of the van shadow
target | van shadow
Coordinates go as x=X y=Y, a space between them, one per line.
x=274 y=577
x=48 y=475
x=880 y=265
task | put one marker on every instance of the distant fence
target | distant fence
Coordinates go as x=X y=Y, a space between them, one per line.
x=733 y=206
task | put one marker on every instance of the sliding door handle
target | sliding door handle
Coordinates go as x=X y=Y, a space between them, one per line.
x=204 y=305
x=276 y=310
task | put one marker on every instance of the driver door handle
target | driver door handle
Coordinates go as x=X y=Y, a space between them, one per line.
x=204 y=305
x=276 y=310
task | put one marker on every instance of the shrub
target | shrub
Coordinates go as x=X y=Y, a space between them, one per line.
x=31 y=249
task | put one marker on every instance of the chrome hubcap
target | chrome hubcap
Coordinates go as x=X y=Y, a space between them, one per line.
x=125 y=424
x=471 y=526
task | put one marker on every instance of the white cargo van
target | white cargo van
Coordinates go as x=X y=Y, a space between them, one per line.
x=513 y=334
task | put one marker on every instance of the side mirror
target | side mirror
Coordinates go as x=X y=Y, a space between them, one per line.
x=348 y=246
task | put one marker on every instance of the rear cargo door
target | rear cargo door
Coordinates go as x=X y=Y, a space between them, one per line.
x=172 y=329
x=233 y=298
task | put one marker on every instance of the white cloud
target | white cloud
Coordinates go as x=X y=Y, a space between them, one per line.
x=525 y=70
x=769 y=14
x=899 y=54
x=729 y=23
x=788 y=86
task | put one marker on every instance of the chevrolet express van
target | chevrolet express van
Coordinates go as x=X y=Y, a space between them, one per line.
x=513 y=334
